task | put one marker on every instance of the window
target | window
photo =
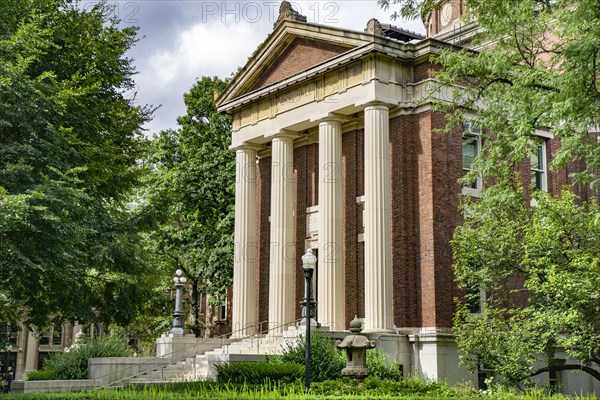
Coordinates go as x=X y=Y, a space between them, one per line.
x=475 y=300
x=471 y=146
x=221 y=311
x=52 y=337
x=537 y=164
x=11 y=334
x=484 y=376
x=554 y=381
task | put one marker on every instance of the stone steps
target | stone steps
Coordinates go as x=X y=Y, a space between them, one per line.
x=201 y=367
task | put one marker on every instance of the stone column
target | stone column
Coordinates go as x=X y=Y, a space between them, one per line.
x=244 y=263
x=282 y=252
x=31 y=352
x=331 y=261
x=378 y=251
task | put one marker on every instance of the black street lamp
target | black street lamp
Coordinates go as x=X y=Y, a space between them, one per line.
x=178 y=315
x=8 y=366
x=308 y=262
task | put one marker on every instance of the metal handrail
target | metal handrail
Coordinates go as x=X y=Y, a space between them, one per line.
x=223 y=337
x=258 y=335
x=155 y=359
x=145 y=362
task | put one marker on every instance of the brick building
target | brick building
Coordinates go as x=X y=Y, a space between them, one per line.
x=336 y=151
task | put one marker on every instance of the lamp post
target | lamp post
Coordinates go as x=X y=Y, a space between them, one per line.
x=178 y=314
x=308 y=263
x=8 y=351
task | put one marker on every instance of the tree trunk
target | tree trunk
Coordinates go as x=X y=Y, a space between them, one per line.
x=569 y=367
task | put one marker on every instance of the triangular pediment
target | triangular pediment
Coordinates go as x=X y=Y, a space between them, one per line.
x=292 y=49
x=301 y=54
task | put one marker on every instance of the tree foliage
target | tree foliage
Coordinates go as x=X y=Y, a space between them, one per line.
x=535 y=70
x=192 y=195
x=540 y=271
x=74 y=363
x=70 y=140
x=412 y=9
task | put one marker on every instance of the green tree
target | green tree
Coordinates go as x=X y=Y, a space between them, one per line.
x=70 y=141
x=192 y=196
x=537 y=70
x=539 y=269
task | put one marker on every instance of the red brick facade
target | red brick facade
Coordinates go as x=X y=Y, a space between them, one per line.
x=424 y=169
x=300 y=55
x=263 y=233
x=458 y=10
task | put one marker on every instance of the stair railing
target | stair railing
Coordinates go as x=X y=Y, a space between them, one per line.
x=268 y=332
x=263 y=331
x=153 y=360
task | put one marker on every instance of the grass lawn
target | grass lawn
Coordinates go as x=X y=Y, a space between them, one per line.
x=371 y=388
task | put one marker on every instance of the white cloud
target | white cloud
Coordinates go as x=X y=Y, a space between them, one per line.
x=200 y=50
x=219 y=40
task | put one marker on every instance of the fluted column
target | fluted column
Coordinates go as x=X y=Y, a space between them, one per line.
x=330 y=264
x=282 y=253
x=378 y=252
x=244 y=264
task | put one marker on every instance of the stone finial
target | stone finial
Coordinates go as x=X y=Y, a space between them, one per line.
x=355 y=325
x=374 y=27
x=287 y=12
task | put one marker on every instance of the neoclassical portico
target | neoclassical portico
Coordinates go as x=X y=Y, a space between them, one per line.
x=378 y=275
x=352 y=81
x=336 y=152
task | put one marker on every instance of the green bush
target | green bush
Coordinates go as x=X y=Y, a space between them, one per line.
x=326 y=361
x=73 y=364
x=256 y=372
x=382 y=366
x=41 y=375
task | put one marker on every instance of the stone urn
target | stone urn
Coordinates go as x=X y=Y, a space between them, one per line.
x=356 y=346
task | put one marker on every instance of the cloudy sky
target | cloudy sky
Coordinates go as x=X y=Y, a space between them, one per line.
x=182 y=40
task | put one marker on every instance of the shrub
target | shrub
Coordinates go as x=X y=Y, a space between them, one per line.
x=41 y=375
x=256 y=372
x=73 y=364
x=326 y=361
x=382 y=366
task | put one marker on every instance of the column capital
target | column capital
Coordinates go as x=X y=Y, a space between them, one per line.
x=284 y=134
x=331 y=117
x=246 y=146
x=381 y=105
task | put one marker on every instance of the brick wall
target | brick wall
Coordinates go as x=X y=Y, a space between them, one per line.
x=458 y=10
x=301 y=172
x=263 y=233
x=447 y=168
x=300 y=55
x=404 y=150
x=353 y=178
x=424 y=170
x=425 y=181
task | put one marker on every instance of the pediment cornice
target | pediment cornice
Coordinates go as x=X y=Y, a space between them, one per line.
x=412 y=53
x=275 y=44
